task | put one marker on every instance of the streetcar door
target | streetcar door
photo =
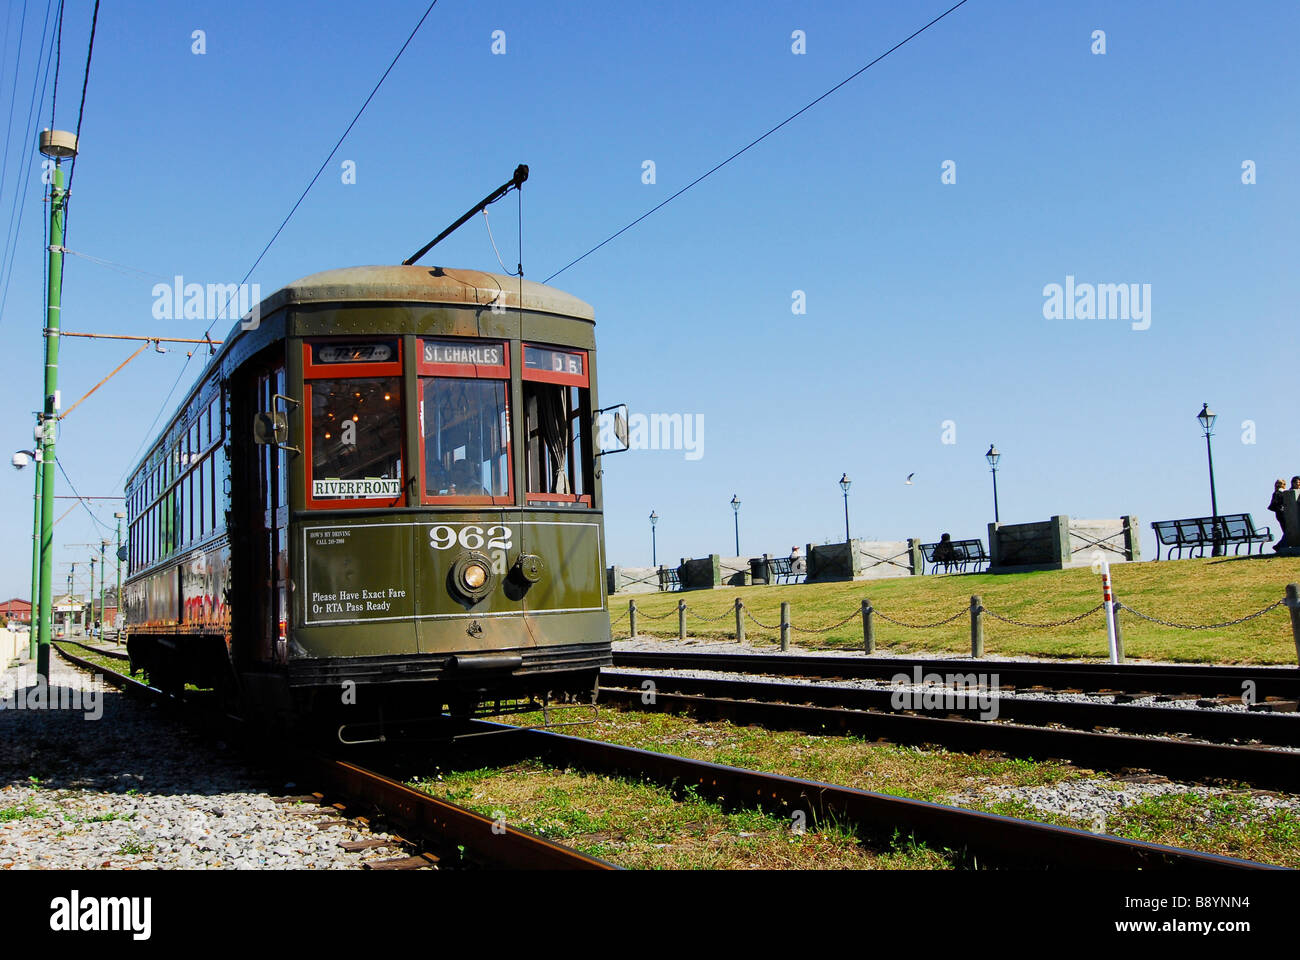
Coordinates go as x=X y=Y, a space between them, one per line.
x=271 y=571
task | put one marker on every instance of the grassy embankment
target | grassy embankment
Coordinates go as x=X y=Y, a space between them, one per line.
x=1197 y=591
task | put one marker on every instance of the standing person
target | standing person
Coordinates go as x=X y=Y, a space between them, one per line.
x=1276 y=506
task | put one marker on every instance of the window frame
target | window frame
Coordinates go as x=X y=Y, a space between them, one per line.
x=312 y=371
x=424 y=371
x=559 y=378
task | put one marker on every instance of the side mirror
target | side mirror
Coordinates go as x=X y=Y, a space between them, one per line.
x=612 y=431
x=270 y=428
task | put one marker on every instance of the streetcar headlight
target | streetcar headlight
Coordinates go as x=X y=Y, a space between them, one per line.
x=474 y=575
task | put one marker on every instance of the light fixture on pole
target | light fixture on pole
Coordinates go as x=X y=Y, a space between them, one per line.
x=654 y=547
x=1207 y=418
x=993 y=457
x=845 y=483
x=735 y=508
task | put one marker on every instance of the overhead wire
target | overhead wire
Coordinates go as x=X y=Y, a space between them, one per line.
x=85 y=81
x=756 y=141
x=330 y=156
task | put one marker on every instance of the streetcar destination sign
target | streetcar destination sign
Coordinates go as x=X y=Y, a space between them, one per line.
x=453 y=351
x=356 y=489
x=354 y=353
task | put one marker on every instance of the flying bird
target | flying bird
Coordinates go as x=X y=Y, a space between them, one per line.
x=908 y=481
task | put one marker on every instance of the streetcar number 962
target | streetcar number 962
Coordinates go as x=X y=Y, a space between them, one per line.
x=443 y=537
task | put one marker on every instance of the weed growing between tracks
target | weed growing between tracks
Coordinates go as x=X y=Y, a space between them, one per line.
x=645 y=826
x=1231 y=824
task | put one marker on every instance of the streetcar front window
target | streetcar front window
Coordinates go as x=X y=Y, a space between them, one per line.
x=556 y=411
x=466 y=428
x=356 y=439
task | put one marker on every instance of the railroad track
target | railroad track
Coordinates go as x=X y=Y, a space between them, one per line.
x=869 y=714
x=990 y=839
x=1282 y=683
x=433 y=832
x=986 y=839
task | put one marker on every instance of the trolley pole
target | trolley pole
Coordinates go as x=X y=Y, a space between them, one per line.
x=57 y=145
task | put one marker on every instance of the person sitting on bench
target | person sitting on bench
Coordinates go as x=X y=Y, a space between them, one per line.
x=798 y=565
x=944 y=552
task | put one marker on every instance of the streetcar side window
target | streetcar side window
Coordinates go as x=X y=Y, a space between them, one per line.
x=556 y=412
x=465 y=425
x=356 y=440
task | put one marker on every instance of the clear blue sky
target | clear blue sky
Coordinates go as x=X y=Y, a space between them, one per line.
x=924 y=300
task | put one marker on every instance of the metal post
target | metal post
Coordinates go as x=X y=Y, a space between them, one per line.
x=103 y=578
x=785 y=625
x=654 y=548
x=868 y=628
x=847 y=538
x=976 y=626
x=996 y=518
x=1119 y=634
x=1214 y=500
x=740 y=622
x=681 y=619
x=90 y=627
x=34 y=619
x=117 y=634
x=737 y=516
x=49 y=417
x=631 y=619
x=1293 y=604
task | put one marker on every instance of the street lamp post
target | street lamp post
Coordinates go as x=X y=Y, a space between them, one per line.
x=993 y=457
x=654 y=547
x=735 y=508
x=845 y=483
x=1207 y=418
x=58 y=145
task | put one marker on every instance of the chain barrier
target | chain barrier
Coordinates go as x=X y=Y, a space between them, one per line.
x=834 y=626
x=765 y=626
x=700 y=616
x=614 y=620
x=651 y=616
x=920 y=626
x=1053 y=623
x=1203 y=626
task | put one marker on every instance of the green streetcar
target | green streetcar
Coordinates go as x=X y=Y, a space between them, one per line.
x=378 y=504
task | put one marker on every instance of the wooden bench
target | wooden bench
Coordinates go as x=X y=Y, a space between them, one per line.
x=966 y=554
x=1196 y=533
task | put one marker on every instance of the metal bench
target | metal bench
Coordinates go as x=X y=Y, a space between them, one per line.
x=789 y=569
x=967 y=556
x=669 y=579
x=1197 y=533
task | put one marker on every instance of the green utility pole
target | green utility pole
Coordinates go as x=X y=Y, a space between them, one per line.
x=58 y=145
x=90 y=627
x=117 y=616
x=103 y=581
x=36 y=557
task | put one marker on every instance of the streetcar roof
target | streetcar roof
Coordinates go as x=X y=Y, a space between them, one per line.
x=425 y=284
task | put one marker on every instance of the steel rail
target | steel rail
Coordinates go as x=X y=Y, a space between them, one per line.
x=990 y=838
x=418 y=816
x=1270 y=728
x=1140 y=678
x=1260 y=766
